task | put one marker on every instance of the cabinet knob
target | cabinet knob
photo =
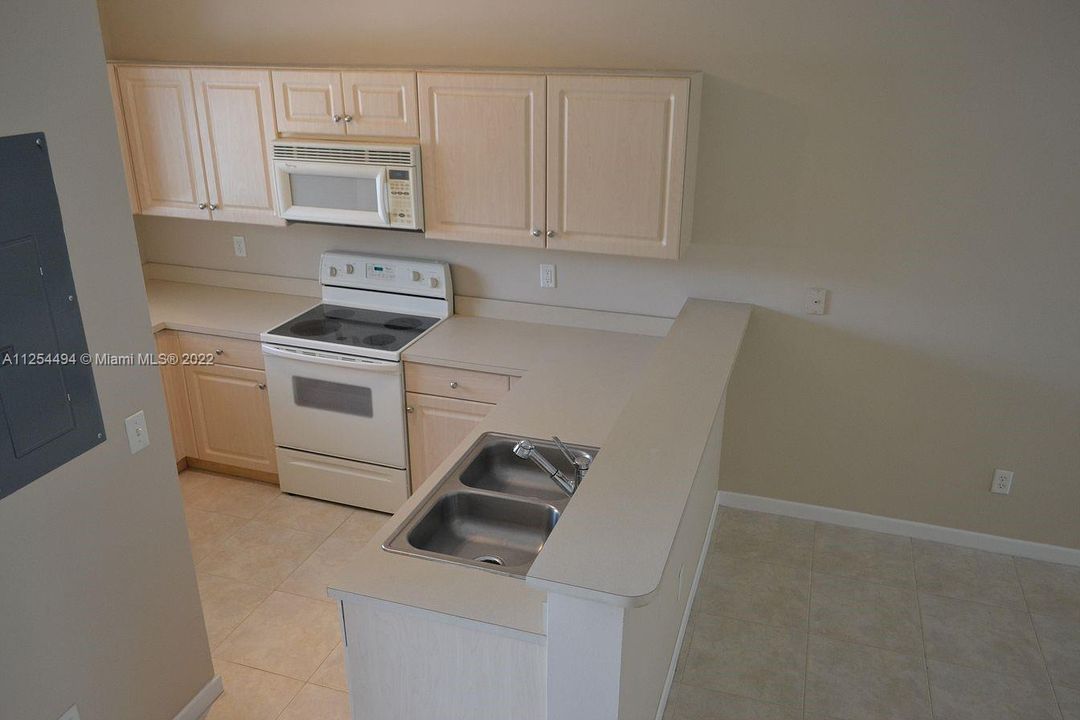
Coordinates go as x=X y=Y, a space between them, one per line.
x=219 y=351
x=347 y=118
x=536 y=233
x=213 y=206
x=453 y=384
x=202 y=206
x=338 y=118
x=551 y=233
x=262 y=386
x=409 y=409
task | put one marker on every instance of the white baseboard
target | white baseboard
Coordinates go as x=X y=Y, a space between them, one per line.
x=202 y=701
x=686 y=613
x=894 y=526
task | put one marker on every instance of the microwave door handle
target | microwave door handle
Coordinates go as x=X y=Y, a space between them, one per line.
x=380 y=192
x=367 y=365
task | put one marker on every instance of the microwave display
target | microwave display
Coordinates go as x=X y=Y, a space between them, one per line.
x=399 y=174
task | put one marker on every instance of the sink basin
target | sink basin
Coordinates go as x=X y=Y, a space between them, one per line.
x=486 y=529
x=492 y=511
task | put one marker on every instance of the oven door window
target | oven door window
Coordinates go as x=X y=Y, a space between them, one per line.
x=335 y=192
x=332 y=396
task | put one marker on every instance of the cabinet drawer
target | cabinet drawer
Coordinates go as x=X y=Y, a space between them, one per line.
x=455 y=383
x=226 y=351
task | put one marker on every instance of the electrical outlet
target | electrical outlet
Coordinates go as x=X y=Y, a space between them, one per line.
x=239 y=246
x=138 y=438
x=815 y=301
x=71 y=714
x=547 y=276
x=1002 y=482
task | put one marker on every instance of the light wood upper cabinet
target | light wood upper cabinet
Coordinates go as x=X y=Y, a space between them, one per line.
x=380 y=104
x=437 y=425
x=236 y=128
x=230 y=413
x=482 y=139
x=166 y=159
x=307 y=101
x=615 y=163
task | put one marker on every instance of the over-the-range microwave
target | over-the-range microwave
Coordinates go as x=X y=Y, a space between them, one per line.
x=349 y=183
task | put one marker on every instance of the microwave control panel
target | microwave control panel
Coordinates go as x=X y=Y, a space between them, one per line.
x=403 y=205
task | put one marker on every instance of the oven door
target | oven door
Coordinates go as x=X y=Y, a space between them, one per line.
x=332 y=193
x=337 y=405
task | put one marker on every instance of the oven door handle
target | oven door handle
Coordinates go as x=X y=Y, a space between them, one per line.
x=322 y=359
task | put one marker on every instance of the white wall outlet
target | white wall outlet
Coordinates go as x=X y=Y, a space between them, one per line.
x=138 y=438
x=815 y=301
x=547 y=276
x=71 y=714
x=1002 y=482
x=239 y=246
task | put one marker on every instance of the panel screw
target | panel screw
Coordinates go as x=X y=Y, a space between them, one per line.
x=40 y=144
x=99 y=436
x=71 y=298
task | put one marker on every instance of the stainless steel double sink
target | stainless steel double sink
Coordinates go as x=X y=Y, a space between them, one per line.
x=492 y=511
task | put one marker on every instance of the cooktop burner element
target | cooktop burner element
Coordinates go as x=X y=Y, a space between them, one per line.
x=355 y=328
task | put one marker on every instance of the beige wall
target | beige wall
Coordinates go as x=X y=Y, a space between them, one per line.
x=918 y=159
x=98 y=603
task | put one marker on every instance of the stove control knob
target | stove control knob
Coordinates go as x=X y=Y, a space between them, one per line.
x=350 y=269
x=333 y=271
x=415 y=275
x=433 y=282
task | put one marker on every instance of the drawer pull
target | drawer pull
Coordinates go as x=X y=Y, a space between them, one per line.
x=262 y=386
x=453 y=384
x=219 y=351
x=409 y=409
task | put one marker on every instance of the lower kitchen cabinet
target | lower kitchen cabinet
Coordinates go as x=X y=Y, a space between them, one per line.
x=436 y=426
x=176 y=399
x=230 y=413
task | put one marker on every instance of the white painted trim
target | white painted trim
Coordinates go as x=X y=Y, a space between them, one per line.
x=565 y=316
x=202 y=701
x=686 y=613
x=910 y=528
x=232 y=279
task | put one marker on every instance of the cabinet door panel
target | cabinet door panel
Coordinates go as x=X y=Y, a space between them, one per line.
x=176 y=399
x=305 y=102
x=437 y=425
x=482 y=144
x=230 y=413
x=381 y=104
x=159 y=113
x=236 y=126
x=616 y=158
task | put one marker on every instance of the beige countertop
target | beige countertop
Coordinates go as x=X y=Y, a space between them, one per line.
x=216 y=310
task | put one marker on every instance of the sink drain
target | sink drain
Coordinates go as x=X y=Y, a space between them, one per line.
x=490 y=559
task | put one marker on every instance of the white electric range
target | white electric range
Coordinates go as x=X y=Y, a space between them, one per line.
x=335 y=379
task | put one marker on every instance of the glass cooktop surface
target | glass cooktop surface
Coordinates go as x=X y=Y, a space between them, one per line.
x=356 y=327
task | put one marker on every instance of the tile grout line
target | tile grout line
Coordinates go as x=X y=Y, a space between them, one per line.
x=1038 y=642
x=922 y=628
x=809 y=612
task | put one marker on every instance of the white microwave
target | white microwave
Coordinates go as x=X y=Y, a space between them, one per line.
x=349 y=183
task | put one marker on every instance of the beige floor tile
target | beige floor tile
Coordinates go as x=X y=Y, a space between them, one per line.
x=331 y=673
x=961 y=693
x=746 y=659
x=980 y=636
x=967 y=574
x=756 y=591
x=864 y=555
x=226 y=603
x=1060 y=642
x=693 y=703
x=251 y=694
x=300 y=513
x=761 y=536
x=361 y=525
x=207 y=530
x=286 y=634
x=261 y=554
x=324 y=567
x=865 y=613
x=1051 y=589
x=317 y=703
x=856 y=682
x=225 y=494
x=1069 y=701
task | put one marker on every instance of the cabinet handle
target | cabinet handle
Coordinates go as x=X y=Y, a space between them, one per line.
x=453 y=384
x=213 y=206
x=536 y=233
x=347 y=118
x=551 y=233
x=262 y=386
x=338 y=118
x=219 y=351
x=409 y=409
x=202 y=206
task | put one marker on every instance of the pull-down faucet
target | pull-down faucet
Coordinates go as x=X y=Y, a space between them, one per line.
x=580 y=460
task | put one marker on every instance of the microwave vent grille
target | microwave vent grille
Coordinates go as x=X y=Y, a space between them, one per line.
x=357 y=155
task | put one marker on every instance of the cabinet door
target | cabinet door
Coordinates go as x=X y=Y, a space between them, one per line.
x=236 y=127
x=176 y=399
x=616 y=155
x=122 y=135
x=380 y=104
x=159 y=113
x=482 y=146
x=307 y=101
x=230 y=413
x=437 y=425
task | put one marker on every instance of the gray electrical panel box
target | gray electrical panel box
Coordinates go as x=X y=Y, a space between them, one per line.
x=49 y=411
